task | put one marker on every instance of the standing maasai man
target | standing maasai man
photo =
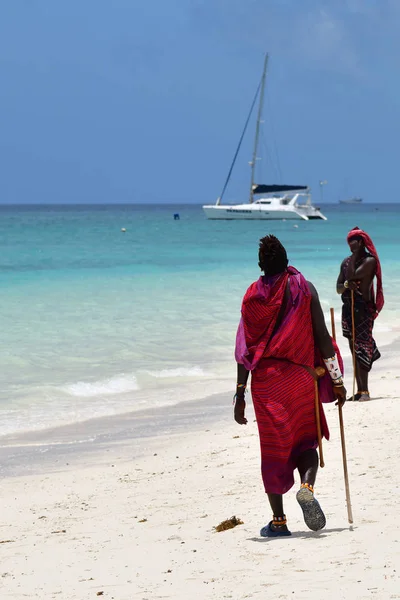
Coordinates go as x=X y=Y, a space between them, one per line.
x=281 y=337
x=356 y=274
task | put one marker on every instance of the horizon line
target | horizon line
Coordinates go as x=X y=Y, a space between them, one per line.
x=5 y=204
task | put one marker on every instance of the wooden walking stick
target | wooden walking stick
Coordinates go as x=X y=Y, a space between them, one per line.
x=342 y=438
x=318 y=420
x=353 y=336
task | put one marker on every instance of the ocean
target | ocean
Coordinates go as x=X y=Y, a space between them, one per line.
x=97 y=321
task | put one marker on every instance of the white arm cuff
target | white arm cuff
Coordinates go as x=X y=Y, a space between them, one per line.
x=333 y=368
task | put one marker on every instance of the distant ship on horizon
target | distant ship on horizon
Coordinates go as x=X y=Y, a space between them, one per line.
x=351 y=201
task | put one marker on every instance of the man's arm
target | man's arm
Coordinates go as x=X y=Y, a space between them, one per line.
x=322 y=338
x=321 y=335
x=242 y=376
x=240 y=404
x=365 y=271
x=341 y=279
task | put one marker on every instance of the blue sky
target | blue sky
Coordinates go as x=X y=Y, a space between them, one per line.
x=144 y=100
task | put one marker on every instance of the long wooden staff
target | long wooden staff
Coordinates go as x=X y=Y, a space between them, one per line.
x=353 y=336
x=318 y=420
x=342 y=438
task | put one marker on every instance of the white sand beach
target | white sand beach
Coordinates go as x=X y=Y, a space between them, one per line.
x=125 y=528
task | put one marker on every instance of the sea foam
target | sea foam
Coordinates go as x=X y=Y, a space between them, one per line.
x=179 y=372
x=115 y=385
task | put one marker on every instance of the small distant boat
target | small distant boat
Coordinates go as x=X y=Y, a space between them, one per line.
x=351 y=201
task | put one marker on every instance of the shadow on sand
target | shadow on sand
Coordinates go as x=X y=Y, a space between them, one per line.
x=366 y=401
x=305 y=534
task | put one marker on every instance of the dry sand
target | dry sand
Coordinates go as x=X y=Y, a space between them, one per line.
x=143 y=529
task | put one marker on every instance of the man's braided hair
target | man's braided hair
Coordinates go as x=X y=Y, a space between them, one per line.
x=272 y=257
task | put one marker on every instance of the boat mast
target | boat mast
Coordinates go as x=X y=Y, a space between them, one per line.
x=260 y=109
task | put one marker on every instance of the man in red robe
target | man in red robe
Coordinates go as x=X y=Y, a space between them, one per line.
x=281 y=338
x=355 y=284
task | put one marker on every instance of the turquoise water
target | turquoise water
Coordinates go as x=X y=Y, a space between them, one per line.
x=96 y=322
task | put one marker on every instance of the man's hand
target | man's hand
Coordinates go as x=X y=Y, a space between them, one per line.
x=351 y=285
x=240 y=405
x=340 y=393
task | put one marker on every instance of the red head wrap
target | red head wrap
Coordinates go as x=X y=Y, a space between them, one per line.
x=356 y=232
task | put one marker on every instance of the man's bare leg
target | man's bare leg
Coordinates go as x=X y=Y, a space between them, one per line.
x=276 y=503
x=362 y=382
x=307 y=465
x=361 y=379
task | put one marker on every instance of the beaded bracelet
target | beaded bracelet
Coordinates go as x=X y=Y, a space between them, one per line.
x=332 y=365
x=337 y=382
x=239 y=386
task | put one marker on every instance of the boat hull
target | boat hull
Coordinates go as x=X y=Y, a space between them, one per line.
x=251 y=212
x=311 y=212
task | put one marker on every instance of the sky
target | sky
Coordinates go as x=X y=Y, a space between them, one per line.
x=114 y=101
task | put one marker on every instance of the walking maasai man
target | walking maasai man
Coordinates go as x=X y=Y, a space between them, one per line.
x=356 y=274
x=281 y=338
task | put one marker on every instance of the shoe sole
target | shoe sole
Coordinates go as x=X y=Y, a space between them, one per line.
x=313 y=515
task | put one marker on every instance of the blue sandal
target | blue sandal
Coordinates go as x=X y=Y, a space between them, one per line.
x=267 y=531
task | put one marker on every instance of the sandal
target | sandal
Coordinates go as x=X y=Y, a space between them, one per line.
x=276 y=528
x=267 y=531
x=313 y=515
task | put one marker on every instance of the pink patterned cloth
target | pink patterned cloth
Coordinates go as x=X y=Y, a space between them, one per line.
x=283 y=391
x=256 y=337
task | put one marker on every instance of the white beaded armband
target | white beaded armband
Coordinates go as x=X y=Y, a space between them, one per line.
x=333 y=368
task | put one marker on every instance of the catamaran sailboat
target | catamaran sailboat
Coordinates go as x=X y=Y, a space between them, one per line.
x=274 y=201
x=273 y=205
